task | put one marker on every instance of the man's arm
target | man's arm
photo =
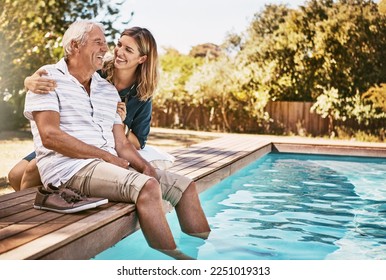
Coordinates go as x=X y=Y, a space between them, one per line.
x=126 y=150
x=53 y=138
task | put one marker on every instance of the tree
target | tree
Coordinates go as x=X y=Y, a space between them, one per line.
x=266 y=49
x=207 y=50
x=376 y=97
x=217 y=90
x=30 y=36
x=171 y=96
x=382 y=7
x=322 y=48
x=353 y=46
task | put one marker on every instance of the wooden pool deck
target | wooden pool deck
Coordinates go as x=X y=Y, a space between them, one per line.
x=27 y=233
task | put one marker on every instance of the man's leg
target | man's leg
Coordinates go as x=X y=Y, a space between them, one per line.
x=153 y=221
x=190 y=214
x=181 y=192
x=152 y=217
x=101 y=179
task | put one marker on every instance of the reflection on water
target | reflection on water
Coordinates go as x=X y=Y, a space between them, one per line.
x=287 y=206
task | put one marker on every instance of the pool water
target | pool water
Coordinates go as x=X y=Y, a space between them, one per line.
x=286 y=207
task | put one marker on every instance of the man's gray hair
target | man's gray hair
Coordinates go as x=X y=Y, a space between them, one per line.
x=78 y=32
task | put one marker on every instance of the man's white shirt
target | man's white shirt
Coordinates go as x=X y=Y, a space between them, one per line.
x=89 y=118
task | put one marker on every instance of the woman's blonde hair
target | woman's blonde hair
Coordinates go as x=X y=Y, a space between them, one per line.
x=146 y=74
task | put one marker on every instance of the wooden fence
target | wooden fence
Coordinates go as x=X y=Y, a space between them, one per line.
x=286 y=118
x=296 y=118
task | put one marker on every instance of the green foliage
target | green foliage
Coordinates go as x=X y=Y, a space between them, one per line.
x=171 y=97
x=176 y=71
x=382 y=7
x=361 y=135
x=323 y=45
x=326 y=104
x=327 y=52
x=362 y=109
x=213 y=86
x=30 y=36
x=376 y=97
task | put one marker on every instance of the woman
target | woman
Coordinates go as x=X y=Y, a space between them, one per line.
x=133 y=70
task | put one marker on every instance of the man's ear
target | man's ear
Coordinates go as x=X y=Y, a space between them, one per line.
x=74 y=45
x=142 y=59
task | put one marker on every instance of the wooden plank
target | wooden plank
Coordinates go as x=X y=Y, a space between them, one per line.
x=16 y=208
x=330 y=149
x=237 y=151
x=27 y=198
x=93 y=243
x=13 y=195
x=195 y=162
x=208 y=154
x=291 y=119
x=18 y=217
x=67 y=229
x=25 y=233
x=40 y=217
x=281 y=113
x=205 y=182
x=220 y=162
x=215 y=143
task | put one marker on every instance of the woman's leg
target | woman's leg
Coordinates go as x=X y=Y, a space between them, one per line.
x=15 y=175
x=31 y=176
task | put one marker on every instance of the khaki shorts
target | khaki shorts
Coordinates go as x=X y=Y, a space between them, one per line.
x=102 y=179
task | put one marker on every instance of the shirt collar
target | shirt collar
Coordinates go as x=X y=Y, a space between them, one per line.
x=63 y=68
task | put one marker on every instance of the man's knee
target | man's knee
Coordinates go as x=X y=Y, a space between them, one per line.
x=191 y=189
x=150 y=191
x=189 y=197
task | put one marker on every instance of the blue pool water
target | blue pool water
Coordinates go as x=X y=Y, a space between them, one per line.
x=286 y=207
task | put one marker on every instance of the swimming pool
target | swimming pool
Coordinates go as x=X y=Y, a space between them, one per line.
x=286 y=207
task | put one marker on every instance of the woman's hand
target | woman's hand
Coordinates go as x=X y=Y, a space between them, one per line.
x=121 y=110
x=39 y=84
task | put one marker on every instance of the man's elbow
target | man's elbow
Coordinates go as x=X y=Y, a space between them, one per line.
x=49 y=138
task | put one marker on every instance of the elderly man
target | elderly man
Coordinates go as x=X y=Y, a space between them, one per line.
x=80 y=143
